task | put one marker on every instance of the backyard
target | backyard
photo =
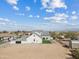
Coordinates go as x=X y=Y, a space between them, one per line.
x=34 y=51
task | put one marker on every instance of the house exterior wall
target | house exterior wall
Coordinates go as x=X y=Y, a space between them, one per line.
x=46 y=37
x=12 y=42
x=74 y=44
x=34 y=39
x=31 y=39
x=23 y=42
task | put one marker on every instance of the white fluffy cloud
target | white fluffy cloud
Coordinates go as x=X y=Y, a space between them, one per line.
x=58 y=18
x=52 y=4
x=35 y=1
x=74 y=17
x=9 y=25
x=49 y=10
x=73 y=12
x=63 y=18
x=13 y=3
x=37 y=16
x=30 y=16
x=5 y=21
x=15 y=8
x=28 y=8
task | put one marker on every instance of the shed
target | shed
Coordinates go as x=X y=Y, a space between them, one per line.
x=74 y=44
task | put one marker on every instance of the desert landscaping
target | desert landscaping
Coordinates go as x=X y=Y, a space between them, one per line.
x=39 y=29
x=34 y=51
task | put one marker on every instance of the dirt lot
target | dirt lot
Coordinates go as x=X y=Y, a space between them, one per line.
x=34 y=51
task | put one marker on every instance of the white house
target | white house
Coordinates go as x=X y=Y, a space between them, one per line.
x=35 y=37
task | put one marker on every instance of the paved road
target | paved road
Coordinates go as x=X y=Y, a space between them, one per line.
x=34 y=51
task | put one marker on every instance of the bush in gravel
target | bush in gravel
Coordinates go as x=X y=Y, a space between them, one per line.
x=75 y=53
x=46 y=41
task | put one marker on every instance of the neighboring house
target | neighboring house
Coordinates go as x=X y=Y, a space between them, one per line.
x=6 y=37
x=74 y=44
x=46 y=36
x=35 y=37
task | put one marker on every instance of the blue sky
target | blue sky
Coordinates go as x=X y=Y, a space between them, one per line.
x=53 y=15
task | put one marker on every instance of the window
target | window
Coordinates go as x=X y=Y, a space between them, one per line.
x=34 y=40
x=43 y=38
x=46 y=38
x=34 y=35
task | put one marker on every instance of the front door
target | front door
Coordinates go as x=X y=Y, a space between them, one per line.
x=33 y=40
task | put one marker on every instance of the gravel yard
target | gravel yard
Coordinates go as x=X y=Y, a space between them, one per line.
x=34 y=51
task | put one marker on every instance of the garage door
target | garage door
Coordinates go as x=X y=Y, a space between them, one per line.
x=18 y=42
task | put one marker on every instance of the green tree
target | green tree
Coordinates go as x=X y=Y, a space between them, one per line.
x=71 y=35
x=55 y=35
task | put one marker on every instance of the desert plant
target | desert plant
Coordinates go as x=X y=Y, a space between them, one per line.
x=46 y=41
x=71 y=35
x=54 y=35
x=75 y=53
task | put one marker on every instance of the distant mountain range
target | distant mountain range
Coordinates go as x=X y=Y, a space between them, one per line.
x=61 y=30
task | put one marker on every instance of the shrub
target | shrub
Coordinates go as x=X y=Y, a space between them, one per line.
x=1 y=41
x=46 y=41
x=75 y=53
